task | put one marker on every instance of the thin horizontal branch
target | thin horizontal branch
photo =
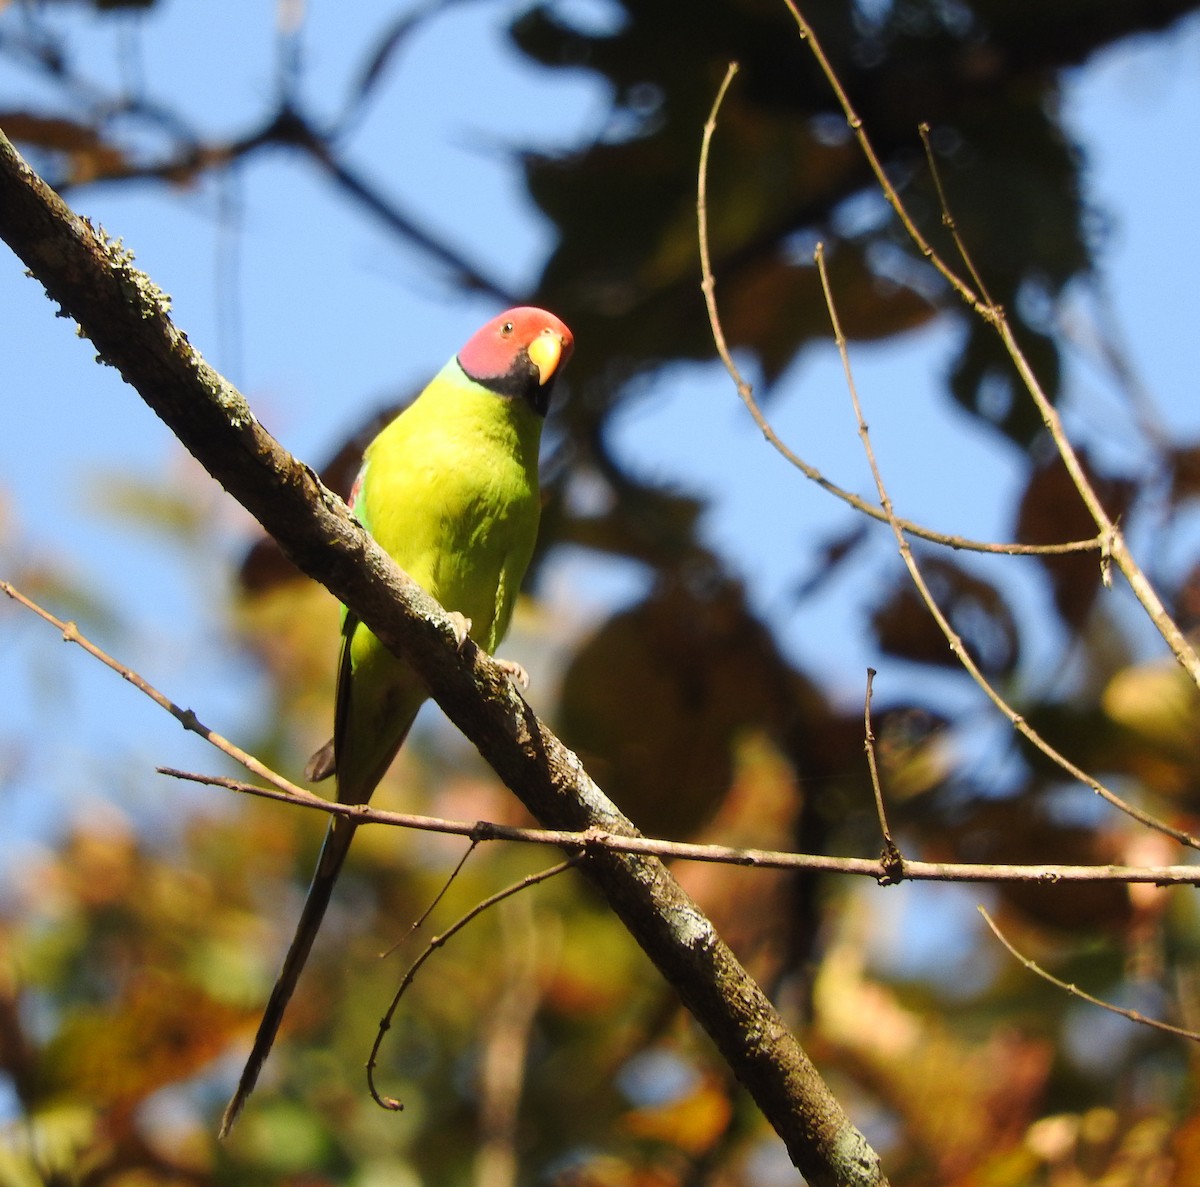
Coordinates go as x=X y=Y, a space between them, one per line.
x=891 y=867
x=126 y=317
x=883 y=870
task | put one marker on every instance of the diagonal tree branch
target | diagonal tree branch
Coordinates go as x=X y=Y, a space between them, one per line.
x=126 y=316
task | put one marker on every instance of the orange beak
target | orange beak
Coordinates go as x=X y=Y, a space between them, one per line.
x=545 y=352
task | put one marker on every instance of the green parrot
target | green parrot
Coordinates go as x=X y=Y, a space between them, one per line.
x=450 y=490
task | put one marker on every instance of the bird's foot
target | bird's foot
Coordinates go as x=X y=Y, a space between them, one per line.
x=514 y=671
x=462 y=628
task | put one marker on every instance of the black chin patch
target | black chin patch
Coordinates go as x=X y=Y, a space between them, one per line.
x=521 y=382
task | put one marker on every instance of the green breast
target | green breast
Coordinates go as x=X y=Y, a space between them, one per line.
x=450 y=490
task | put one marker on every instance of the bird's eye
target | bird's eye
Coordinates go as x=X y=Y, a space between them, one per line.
x=506 y=329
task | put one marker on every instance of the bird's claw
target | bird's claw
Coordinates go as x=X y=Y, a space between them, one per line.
x=514 y=671
x=462 y=628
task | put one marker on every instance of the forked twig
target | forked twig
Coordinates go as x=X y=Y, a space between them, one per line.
x=892 y=858
x=948 y=218
x=745 y=389
x=385 y=1023
x=1113 y=544
x=957 y=646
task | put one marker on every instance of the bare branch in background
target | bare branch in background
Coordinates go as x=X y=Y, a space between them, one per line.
x=1112 y=539
x=1074 y=990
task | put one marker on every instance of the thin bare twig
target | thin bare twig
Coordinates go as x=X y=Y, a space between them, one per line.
x=186 y=717
x=1113 y=544
x=594 y=839
x=891 y=857
x=745 y=389
x=948 y=217
x=385 y=1024
x=1075 y=991
x=957 y=646
x=420 y=920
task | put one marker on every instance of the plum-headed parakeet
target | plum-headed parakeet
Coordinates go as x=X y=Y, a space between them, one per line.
x=450 y=490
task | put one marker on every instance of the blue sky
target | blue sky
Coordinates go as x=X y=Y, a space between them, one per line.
x=337 y=316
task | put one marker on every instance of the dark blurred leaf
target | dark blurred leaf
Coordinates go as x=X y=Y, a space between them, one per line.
x=89 y=154
x=832 y=554
x=1187 y=601
x=774 y=304
x=984 y=381
x=1184 y=462
x=976 y=609
x=1052 y=512
x=655 y=700
x=623 y=517
x=1021 y=829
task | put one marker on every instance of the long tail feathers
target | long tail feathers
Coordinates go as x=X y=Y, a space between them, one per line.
x=333 y=854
